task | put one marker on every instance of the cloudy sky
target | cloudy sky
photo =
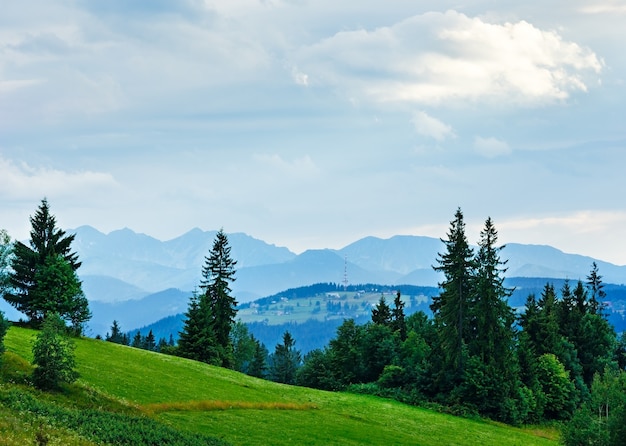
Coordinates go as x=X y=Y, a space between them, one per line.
x=313 y=123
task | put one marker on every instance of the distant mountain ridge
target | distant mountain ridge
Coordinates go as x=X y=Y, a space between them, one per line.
x=126 y=265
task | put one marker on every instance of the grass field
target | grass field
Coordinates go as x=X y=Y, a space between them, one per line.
x=241 y=410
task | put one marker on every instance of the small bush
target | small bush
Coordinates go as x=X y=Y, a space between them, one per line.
x=53 y=355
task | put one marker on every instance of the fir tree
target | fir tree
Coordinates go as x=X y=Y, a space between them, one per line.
x=116 y=335
x=46 y=242
x=381 y=313
x=197 y=340
x=548 y=338
x=285 y=361
x=398 y=322
x=258 y=365
x=58 y=290
x=218 y=273
x=450 y=308
x=595 y=285
x=492 y=317
x=149 y=342
x=494 y=380
x=138 y=340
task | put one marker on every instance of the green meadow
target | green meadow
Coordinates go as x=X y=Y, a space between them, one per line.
x=194 y=403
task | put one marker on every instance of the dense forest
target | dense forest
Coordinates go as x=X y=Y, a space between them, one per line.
x=557 y=359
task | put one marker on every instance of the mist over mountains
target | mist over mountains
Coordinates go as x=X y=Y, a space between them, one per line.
x=139 y=279
x=125 y=265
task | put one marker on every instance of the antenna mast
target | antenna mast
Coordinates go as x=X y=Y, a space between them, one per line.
x=345 y=272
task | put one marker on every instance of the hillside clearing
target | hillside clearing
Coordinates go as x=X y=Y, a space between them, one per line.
x=242 y=410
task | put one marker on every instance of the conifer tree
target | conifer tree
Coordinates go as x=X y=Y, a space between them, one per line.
x=258 y=365
x=528 y=341
x=595 y=285
x=197 y=340
x=345 y=352
x=381 y=313
x=548 y=338
x=216 y=300
x=47 y=244
x=150 y=342
x=398 y=322
x=450 y=307
x=568 y=316
x=492 y=379
x=116 y=335
x=285 y=361
x=138 y=340
x=492 y=316
x=58 y=290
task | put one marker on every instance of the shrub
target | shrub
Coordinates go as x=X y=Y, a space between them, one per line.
x=53 y=355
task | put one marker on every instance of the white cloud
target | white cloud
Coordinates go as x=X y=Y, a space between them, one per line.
x=8 y=86
x=491 y=147
x=605 y=7
x=435 y=58
x=426 y=125
x=19 y=181
x=299 y=77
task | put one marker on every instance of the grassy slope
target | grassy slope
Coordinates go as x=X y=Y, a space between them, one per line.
x=244 y=410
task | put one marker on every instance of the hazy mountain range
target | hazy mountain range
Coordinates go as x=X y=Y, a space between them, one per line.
x=124 y=265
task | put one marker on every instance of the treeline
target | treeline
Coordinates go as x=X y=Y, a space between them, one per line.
x=323 y=288
x=137 y=340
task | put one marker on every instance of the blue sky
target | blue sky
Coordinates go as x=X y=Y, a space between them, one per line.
x=310 y=124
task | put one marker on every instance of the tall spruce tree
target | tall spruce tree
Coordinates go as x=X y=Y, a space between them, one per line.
x=218 y=273
x=595 y=285
x=492 y=379
x=46 y=242
x=398 y=321
x=211 y=315
x=492 y=317
x=450 y=307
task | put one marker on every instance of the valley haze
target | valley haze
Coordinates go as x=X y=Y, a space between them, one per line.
x=124 y=266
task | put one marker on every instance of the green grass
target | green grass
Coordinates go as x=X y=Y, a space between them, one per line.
x=242 y=410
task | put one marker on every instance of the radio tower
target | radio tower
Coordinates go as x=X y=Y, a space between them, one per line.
x=345 y=273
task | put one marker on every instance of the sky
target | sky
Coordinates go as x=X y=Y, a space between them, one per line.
x=314 y=123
